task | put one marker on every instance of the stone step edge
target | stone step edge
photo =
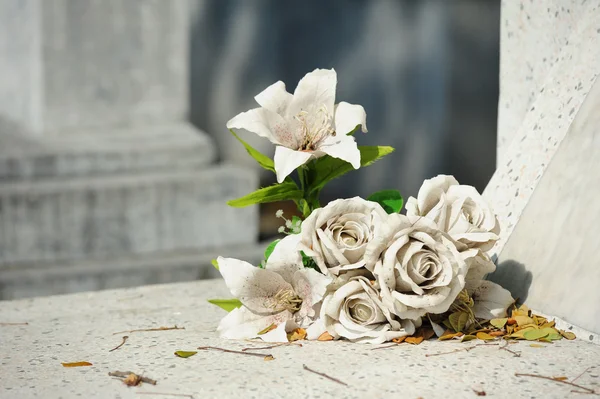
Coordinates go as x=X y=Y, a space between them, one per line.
x=162 y=261
x=57 y=185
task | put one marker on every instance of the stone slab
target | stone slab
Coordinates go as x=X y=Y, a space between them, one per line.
x=173 y=146
x=82 y=327
x=51 y=220
x=121 y=272
x=551 y=258
x=546 y=124
x=533 y=36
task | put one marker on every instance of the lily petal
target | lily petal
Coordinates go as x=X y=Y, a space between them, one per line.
x=287 y=160
x=348 y=116
x=275 y=98
x=491 y=300
x=241 y=323
x=316 y=89
x=253 y=286
x=262 y=122
x=285 y=259
x=342 y=147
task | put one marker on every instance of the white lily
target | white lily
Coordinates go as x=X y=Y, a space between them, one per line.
x=283 y=296
x=305 y=125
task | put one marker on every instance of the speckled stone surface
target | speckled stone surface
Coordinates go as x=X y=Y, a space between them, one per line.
x=80 y=327
x=547 y=121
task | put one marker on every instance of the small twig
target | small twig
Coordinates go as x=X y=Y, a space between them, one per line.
x=323 y=375
x=14 y=324
x=125 y=337
x=516 y=354
x=579 y=376
x=151 y=329
x=272 y=346
x=385 y=347
x=164 y=393
x=125 y=374
x=232 y=351
x=458 y=350
x=589 y=390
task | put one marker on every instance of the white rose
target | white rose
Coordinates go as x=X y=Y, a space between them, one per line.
x=479 y=265
x=355 y=312
x=417 y=267
x=458 y=210
x=337 y=235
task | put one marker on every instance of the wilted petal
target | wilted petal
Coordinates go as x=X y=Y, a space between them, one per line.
x=348 y=117
x=311 y=286
x=479 y=265
x=253 y=286
x=263 y=122
x=285 y=259
x=491 y=300
x=287 y=160
x=342 y=147
x=275 y=98
x=314 y=90
x=241 y=323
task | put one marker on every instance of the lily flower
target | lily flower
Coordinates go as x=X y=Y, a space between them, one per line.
x=305 y=125
x=283 y=296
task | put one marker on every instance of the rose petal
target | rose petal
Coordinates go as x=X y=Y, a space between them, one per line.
x=491 y=300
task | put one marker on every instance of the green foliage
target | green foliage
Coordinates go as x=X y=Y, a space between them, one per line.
x=215 y=264
x=277 y=192
x=390 y=200
x=270 y=249
x=226 y=304
x=328 y=168
x=185 y=354
x=262 y=159
x=309 y=262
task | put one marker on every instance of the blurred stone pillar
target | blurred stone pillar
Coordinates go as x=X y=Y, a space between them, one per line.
x=103 y=182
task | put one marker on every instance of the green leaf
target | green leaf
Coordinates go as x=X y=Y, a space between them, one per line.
x=458 y=320
x=226 y=304
x=270 y=249
x=185 y=354
x=276 y=192
x=215 y=264
x=533 y=335
x=390 y=200
x=328 y=168
x=499 y=323
x=262 y=159
x=309 y=262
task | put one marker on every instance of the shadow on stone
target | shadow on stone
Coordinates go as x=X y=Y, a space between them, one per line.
x=513 y=276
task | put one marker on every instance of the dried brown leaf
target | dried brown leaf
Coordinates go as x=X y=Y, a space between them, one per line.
x=414 y=340
x=267 y=329
x=484 y=336
x=77 y=364
x=297 y=335
x=399 y=340
x=567 y=334
x=325 y=337
x=269 y=358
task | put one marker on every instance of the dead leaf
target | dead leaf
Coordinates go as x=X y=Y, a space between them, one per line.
x=479 y=393
x=497 y=333
x=560 y=378
x=185 y=354
x=266 y=330
x=533 y=335
x=77 y=364
x=499 y=323
x=484 y=336
x=548 y=324
x=449 y=335
x=132 y=380
x=567 y=334
x=399 y=340
x=458 y=320
x=524 y=320
x=468 y=338
x=426 y=332
x=536 y=345
x=297 y=335
x=269 y=358
x=511 y=321
x=325 y=337
x=414 y=340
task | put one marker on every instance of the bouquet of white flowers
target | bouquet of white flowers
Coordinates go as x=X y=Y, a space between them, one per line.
x=356 y=268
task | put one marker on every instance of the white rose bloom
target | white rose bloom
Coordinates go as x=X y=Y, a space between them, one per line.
x=458 y=210
x=355 y=312
x=337 y=235
x=417 y=267
x=284 y=294
x=305 y=125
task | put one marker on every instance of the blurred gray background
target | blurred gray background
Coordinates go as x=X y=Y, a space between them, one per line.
x=105 y=183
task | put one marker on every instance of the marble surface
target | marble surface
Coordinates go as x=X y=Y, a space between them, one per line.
x=546 y=123
x=551 y=258
x=81 y=327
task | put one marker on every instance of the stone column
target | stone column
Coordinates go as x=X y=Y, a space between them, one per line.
x=100 y=173
x=547 y=182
